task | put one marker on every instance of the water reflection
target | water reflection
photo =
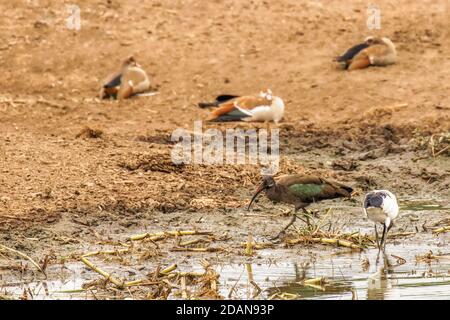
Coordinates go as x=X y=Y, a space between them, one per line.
x=422 y=206
x=379 y=283
x=396 y=275
x=298 y=287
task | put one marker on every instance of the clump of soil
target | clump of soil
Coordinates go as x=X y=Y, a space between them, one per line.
x=155 y=162
x=159 y=138
x=88 y=133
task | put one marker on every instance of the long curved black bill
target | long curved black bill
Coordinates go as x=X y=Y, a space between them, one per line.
x=260 y=189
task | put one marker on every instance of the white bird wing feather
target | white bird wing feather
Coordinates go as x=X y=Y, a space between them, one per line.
x=389 y=205
x=245 y=111
x=260 y=113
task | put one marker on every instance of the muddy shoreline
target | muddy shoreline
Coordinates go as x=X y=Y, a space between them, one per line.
x=61 y=241
x=80 y=175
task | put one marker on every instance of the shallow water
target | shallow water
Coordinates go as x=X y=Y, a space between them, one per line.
x=344 y=278
x=423 y=205
x=346 y=274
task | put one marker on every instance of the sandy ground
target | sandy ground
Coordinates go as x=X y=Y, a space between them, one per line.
x=370 y=129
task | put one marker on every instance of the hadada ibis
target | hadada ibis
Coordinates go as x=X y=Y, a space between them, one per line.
x=300 y=190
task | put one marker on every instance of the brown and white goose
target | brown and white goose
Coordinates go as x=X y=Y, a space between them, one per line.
x=129 y=80
x=374 y=51
x=252 y=108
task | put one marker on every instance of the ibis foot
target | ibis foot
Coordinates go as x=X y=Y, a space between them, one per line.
x=278 y=237
x=308 y=215
x=294 y=217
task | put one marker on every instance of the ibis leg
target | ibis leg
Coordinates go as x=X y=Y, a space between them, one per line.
x=383 y=238
x=376 y=236
x=307 y=216
x=294 y=217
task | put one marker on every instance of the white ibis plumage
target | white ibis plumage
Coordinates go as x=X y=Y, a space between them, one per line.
x=380 y=206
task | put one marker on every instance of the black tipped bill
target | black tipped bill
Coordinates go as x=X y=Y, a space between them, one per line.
x=260 y=189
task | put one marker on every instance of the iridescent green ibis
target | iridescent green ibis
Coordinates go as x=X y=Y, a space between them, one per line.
x=301 y=191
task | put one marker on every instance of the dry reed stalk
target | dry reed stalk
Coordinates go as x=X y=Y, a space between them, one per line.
x=249 y=246
x=431 y=143
x=257 y=245
x=319 y=280
x=441 y=230
x=118 y=283
x=442 y=151
x=106 y=252
x=196 y=249
x=169 y=269
x=328 y=241
x=23 y=255
x=165 y=234
x=194 y=241
x=430 y=256
x=400 y=235
x=184 y=294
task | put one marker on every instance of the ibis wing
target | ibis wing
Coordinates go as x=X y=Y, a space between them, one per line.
x=291 y=179
x=306 y=187
x=307 y=190
x=314 y=187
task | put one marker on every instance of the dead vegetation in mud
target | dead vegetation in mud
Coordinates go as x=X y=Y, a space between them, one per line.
x=77 y=172
x=136 y=267
x=435 y=144
x=163 y=281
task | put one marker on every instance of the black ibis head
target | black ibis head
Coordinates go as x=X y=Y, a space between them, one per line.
x=267 y=183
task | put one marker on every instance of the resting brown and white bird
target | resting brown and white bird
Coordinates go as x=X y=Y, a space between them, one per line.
x=374 y=51
x=262 y=107
x=129 y=80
